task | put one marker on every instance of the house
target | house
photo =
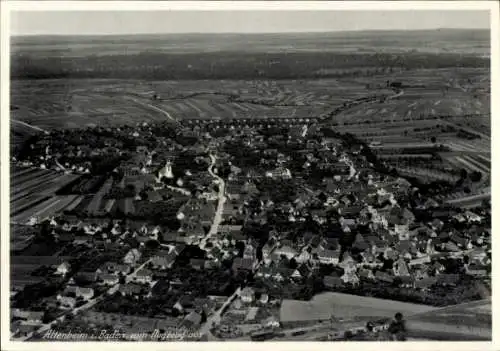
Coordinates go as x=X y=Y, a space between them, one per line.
x=265 y=272
x=144 y=276
x=247 y=295
x=280 y=172
x=437 y=267
x=268 y=248
x=479 y=254
x=197 y=263
x=132 y=257
x=360 y=243
x=333 y=281
x=304 y=256
x=366 y=274
x=271 y=322
x=31 y=317
x=163 y=262
x=114 y=268
x=384 y=277
x=85 y=293
x=450 y=247
x=348 y=264
x=89 y=277
x=328 y=256
x=108 y=279
x=425 y=283
x=437 y=224
x=350 y=277
x=19 y=329
x=243 y=264
x=63 y=268
x=249 y=251
x=477 y=270
x=206 y=305
x=66 y=302
x=461 y=242
x=400 y=268
x=447 y=279
x=420 y=260
x=301 y=272
x=472 y=217
x=192 y=320
x=282 y=274
x=185 y=304
x=130 y=289
x=264 y=298
x=286 y=250
x=369 y=259
x=407 y=281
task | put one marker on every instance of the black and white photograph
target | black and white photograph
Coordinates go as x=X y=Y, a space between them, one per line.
x=218 y=174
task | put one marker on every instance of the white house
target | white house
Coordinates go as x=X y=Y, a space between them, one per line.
x=63 y=268
x=247 y=295
x=328 y=256
x=132 y=257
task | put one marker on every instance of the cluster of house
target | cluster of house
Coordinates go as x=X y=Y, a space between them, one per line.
x=412 y=248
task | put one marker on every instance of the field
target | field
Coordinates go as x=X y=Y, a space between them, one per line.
x=23 y=267
x=469 y=321
x=325 y=305
x=77 y=103
x=33 y=193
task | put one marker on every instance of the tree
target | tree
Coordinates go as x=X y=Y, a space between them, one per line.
x=463 y=173
x=433 y=140
x=292 y=263
x=476 y=176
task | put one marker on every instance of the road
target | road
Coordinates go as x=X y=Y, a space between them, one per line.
x=58 y=164
x=38 y=129
x=470 y=201
x=92 y=302
x=214 y=229
x=215 y=318
x=152 y=107
x=356 y=102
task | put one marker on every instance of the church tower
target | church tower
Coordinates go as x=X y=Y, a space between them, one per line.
x=166 y=171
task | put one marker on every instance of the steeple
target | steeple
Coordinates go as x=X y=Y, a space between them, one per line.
x=166 y=171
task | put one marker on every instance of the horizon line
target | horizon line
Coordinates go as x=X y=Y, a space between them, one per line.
x=247 y=33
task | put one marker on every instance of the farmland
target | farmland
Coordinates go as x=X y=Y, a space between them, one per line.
x=33 y=193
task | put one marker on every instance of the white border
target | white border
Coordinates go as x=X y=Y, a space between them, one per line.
x=8 y=6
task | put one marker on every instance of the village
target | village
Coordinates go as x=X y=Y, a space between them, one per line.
x=219 y=233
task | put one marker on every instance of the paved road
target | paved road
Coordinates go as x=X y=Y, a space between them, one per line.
x=220 y=204
x=215 y=318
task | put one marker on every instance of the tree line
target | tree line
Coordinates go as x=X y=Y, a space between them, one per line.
x=228 y=65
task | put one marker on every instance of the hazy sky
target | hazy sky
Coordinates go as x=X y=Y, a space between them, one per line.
x=134 y=22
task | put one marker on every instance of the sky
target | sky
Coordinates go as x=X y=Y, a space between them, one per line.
x=159 y=22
